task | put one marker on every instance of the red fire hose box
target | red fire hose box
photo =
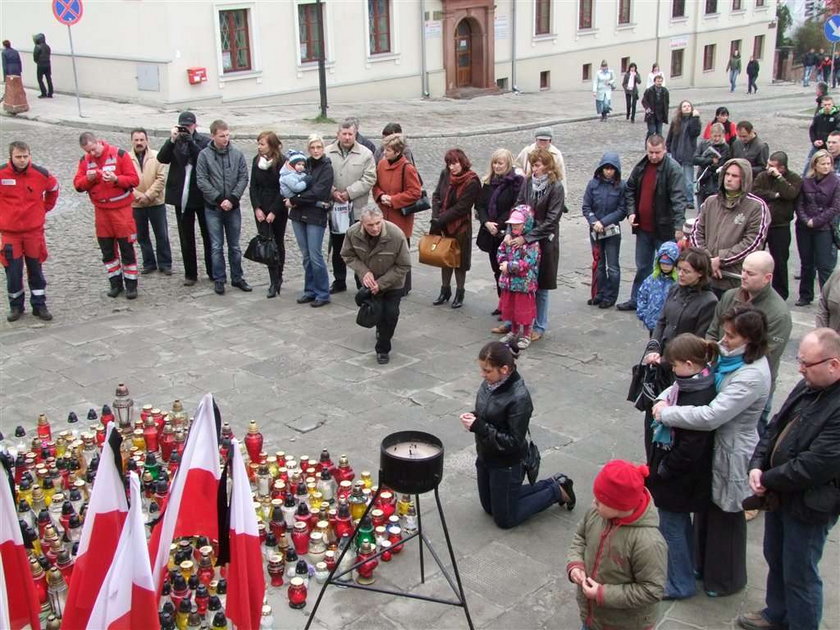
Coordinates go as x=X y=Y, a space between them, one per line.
x=196 y=75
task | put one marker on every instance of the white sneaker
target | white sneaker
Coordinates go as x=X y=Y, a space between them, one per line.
x=523 y=342
x=508 y=337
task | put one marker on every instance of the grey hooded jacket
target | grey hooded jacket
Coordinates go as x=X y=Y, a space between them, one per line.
x=221 y=174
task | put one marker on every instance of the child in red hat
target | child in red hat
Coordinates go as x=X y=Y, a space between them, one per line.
x=618 y=558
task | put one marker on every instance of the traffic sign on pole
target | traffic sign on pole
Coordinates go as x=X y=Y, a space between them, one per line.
x=67 y=11
x=831 y=28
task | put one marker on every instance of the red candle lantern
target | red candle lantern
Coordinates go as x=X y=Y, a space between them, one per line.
x=254 y=441
x=297 y=593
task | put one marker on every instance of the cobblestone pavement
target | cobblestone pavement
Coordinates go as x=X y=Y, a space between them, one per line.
x=308 y=376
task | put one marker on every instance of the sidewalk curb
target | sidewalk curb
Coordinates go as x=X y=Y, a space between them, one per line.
x=501 y=129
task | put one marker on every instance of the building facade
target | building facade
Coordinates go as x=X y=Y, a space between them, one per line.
x=179 y=52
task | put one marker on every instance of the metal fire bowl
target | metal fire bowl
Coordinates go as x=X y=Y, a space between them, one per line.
x=410 y=475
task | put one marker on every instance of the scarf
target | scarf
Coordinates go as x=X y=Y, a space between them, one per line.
x=264 y=164
x=456 y=185
x=663 y=436
x=499 y=185
x=728 y=362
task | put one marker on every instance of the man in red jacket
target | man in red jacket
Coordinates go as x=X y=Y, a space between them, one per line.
x=27 y=193
x=108 y=176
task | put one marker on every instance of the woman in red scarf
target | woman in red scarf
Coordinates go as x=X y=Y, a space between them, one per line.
x=452 y=202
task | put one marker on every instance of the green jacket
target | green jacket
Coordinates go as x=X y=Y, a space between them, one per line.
x=387 y=257
x=779 y=323
x=630 y=561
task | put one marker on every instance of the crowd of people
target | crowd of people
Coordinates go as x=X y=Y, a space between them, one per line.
x=711 y=292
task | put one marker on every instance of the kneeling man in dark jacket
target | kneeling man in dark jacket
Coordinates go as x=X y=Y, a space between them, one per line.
x=377 y=251
x=796 y=465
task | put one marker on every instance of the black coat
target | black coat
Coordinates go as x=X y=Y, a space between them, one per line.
x=504 y=204
x=264 y=187
x=686 y=310
x=669 y=200
x=707 y=182
x=805 y=470
x=42 y=52
x=659 y=106
x=179 y=154
x=501 y=422
x=682 y=144
x=313 y=204
x=457 y=219
x=681 y=478
x=823 y=124
x=546 y=231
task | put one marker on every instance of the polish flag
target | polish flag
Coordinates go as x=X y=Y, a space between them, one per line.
x=101 y=531
x=191 y=508
x=246 y=582
x=19 y=606
x=127 y=600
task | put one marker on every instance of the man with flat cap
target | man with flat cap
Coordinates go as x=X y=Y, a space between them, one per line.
x=543 y=139
x=181 y=151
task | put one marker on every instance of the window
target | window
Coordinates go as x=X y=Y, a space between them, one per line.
x=310 y=38
x=625 y=61
x=586 y=72
x=502 y=84
x=624 y=11
x=678 y=9
x=379 y=26
x=545 y=79
x=759 y=4
x=711 y=6
x=542 y=19
x=758 y=46
x=235 y=40
x=736 y=5
x=734 y=46
x=584 y=14
x=709 y=57
x=676 y=63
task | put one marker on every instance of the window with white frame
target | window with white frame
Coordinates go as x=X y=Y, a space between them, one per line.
x=542 y=17
x=379 y=26
x=309 y=33
x=235 y=40
x=585 y=14
x=624 y=11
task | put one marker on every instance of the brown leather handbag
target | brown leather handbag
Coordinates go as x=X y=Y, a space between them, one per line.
x=440 y=251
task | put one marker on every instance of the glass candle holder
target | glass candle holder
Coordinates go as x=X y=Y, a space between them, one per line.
x=297 y=593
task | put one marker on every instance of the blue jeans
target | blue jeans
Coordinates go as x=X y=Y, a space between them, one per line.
x=156 y=215
x=224 y=225
x=678 y=532
x=793 y=550
x=603 y=107
x=507 y=499
x=806 y=75
x=646 y=246
x=733 y=78
x=818 y=257
x=316 y=279
x=608 y=273
x=654 y=127
x=541 y=321
x=688 y=175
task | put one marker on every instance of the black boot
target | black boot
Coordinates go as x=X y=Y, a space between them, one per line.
x=274 y=284
x=116 y=286
x=131 y=289
x=458 y=302
x=443 y=298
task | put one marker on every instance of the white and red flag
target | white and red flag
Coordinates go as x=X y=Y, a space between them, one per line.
x=246 y=581
x=104 y=520
x=127 y=599
x=191 y=508
x=19 y=606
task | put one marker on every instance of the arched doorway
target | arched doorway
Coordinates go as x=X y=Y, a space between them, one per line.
x=463 y=54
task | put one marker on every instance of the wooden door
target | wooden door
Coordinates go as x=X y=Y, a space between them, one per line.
x=463 y=54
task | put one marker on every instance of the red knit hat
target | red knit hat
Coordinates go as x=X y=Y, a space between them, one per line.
x=620 y=485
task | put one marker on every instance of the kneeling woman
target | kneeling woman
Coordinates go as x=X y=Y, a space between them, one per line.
x=500 y=422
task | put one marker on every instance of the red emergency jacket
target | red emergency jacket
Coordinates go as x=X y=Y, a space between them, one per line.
x=25 y=197
x=107 y=195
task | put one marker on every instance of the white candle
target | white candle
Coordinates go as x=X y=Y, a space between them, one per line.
x=414 y=450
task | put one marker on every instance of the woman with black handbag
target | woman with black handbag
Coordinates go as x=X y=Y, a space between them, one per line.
x=269 y=210
x=452 y=203
x=498 y=195
x=500 y=422
x=397 y=188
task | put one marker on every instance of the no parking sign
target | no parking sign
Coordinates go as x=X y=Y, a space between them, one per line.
x=67 y=11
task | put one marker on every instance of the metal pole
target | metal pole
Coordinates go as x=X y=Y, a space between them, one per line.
x=322 y=70
x=75 y=75
x=833 y=48
x=512 y=31
x=424 y=78
x=658 y=8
